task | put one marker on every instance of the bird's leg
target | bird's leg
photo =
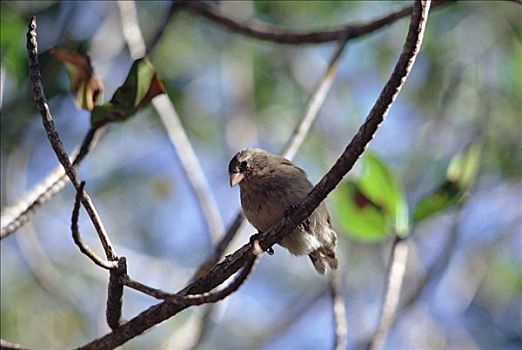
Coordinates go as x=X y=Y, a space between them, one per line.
x=255 y=237
x=289 y=212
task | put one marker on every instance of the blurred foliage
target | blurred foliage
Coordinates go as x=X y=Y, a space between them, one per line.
x=230 y=92
x=461 y=174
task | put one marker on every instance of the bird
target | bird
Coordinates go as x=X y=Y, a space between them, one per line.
x=271 y=186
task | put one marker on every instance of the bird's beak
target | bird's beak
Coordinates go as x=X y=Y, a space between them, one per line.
x=236 y=178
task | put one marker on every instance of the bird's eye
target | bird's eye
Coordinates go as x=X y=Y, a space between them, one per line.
x=243 y=166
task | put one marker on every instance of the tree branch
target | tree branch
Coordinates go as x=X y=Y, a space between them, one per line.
x=84 y=248
x=397 y=268
x=163 y=105
x=115 y=294
x=234 y=262
x=314 y=103
x=54 y=137
x=185 y=299
x=266 y=32
x=191 y=166
x=339 y=312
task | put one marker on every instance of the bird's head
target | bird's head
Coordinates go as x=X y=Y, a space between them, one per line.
x=248 y=164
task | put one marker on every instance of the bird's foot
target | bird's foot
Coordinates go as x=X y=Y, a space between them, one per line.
x=255 y=237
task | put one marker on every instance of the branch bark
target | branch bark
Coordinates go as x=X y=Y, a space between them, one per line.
x=84 y=248
x=54 y=137
x=238 y=259
x=271 y=33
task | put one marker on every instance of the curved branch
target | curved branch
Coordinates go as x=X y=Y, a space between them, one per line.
x=185 y=299
x=54 y=137
x=266 y=32
x=84 y=248
x=238 y=259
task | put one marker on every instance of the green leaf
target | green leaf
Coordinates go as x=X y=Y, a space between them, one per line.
x=374 y=205
x=140 y=87
x=85 y=84
x=359 y=217
x=461 y=174
x=379 y=184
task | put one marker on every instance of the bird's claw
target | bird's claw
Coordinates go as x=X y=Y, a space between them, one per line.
x=255 y=237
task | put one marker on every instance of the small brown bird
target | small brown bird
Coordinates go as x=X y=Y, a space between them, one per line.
x=270 y=185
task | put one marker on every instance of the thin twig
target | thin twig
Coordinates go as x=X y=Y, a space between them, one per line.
x=177 y=135
x=84 y=248
x=339 y=312
x=235 y=261
x=54 y=138
x=21 y=212
x=266 y=32
x=191 y=166
x=435 y=270
x=396 y=270
x=314 y=104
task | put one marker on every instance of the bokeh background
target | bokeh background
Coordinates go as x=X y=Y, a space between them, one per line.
x=230 y=92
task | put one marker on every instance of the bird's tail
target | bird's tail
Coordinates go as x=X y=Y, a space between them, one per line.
x=322 y=257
